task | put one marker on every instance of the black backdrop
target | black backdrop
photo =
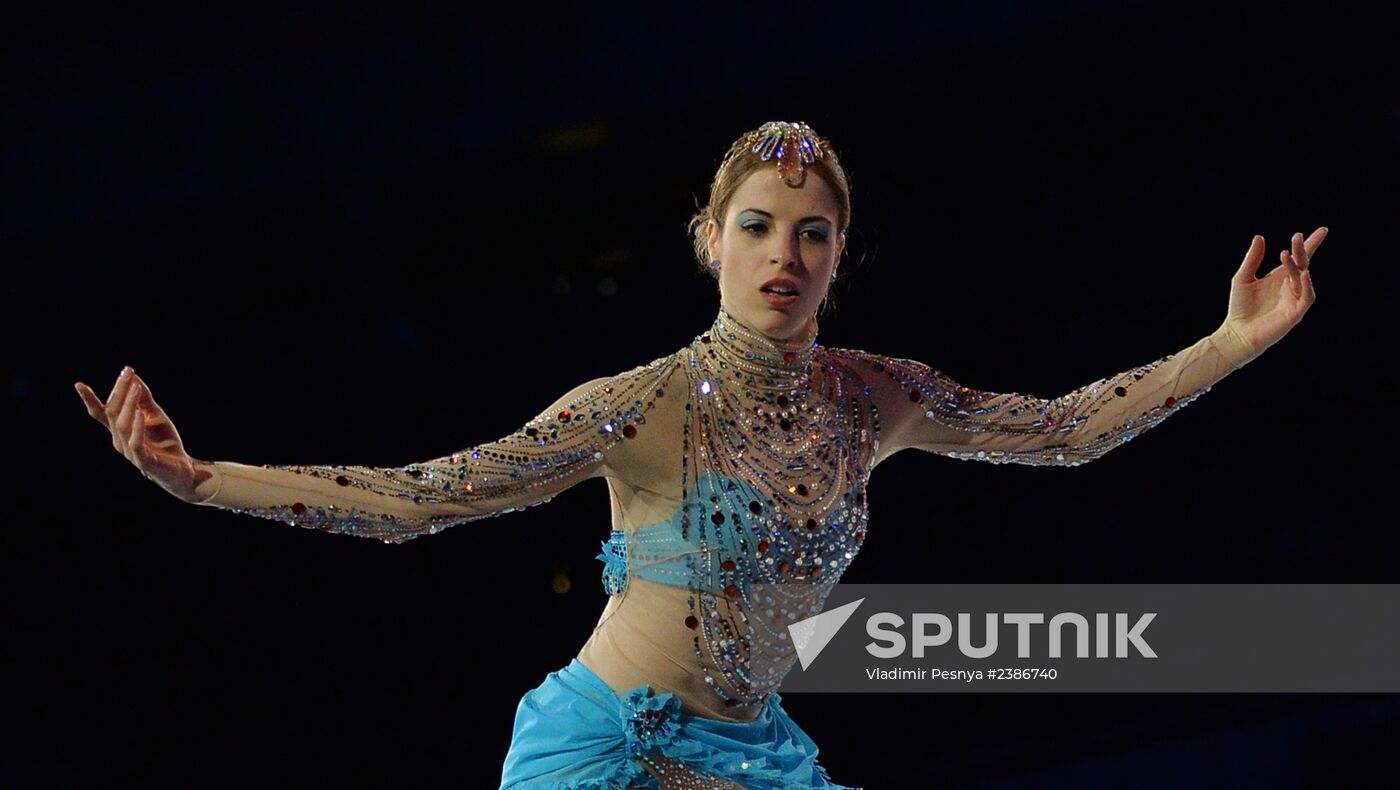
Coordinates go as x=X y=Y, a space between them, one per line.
x=347 y=235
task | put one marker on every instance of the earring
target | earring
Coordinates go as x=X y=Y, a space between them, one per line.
x=714 y=266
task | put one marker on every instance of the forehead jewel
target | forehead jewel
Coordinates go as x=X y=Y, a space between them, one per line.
x=793 y=145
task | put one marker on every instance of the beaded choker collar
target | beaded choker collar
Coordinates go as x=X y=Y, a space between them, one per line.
x=756 y=354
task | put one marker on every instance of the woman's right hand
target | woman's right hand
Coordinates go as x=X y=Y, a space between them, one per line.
x=147 y=438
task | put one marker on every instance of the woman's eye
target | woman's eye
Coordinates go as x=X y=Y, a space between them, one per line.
x=811 y=234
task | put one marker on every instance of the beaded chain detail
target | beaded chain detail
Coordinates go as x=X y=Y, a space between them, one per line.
x=551 y=452
x=1026 y=429
x=783 y=442
x=675 y=775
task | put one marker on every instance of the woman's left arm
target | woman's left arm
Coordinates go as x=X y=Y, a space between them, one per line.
x=933 y=412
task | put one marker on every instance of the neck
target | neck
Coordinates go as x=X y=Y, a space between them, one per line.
x=757 y=354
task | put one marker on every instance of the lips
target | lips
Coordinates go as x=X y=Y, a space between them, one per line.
x=780 y=299
x=789 y=286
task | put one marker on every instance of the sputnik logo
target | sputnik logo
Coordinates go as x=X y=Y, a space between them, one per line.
x=811 y=635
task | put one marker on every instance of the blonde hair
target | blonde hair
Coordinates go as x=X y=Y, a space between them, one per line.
x=737 y=165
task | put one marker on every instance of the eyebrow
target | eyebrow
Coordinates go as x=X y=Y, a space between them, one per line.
x=804 y=219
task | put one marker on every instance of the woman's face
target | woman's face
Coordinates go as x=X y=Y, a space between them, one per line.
x=776 y=232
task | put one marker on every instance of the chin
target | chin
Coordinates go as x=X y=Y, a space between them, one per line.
x=777 y=323
x=781 y=324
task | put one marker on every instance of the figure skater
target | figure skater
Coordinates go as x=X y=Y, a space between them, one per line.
x=737 y=465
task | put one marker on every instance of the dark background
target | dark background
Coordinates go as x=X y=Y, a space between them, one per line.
x=341 y=234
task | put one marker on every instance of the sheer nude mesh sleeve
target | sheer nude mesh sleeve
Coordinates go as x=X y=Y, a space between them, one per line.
x=564 y=444
x=936 y=413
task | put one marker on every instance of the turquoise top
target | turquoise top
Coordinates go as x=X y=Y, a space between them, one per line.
x=661 y=554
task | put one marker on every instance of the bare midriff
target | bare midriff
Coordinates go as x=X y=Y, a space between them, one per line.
x=641 y=639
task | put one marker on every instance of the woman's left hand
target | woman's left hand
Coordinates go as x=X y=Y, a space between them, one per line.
x=1263 y=310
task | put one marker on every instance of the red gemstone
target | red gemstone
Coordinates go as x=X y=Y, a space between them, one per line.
x=816 y=572
x=783 y=566
x=1171 y=402
x=789 y=356
x=629 y=431
x=762 y=546
x=860 y=538
x=811 y=523
x=914 y=395
x=564 y=415
x=718 y=518
x=732 y=591
x=755 y=508
x=860 y=498
x=1120 y=391
x=298 y=508
x=691 y=622
x=727 y=565
x=785 y=425
x=801 y=490
x=782 y=400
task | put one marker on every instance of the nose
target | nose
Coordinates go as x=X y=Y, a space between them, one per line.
x=787 y=249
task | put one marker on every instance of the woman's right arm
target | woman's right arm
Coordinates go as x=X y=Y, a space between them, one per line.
x=568 y=442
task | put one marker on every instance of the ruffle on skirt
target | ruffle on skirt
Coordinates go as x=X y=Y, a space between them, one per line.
x=573 y=733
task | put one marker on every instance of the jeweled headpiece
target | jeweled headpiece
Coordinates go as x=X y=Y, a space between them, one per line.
x=792 y=144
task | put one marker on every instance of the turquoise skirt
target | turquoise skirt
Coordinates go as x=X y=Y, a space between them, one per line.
x=573 y=733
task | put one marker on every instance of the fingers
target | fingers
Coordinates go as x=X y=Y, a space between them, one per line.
x=1306 y=247
x=131 y=405
x=1294 y=274
x=1300 y=252
x=1252 y=259
x=1291 y=265
x=1290 y=262
x=1303 y=249
x=134 y=440
x=119 y=391
x=117 y=387
x=122 y=424
x=1299 y=259
x=158 y=430
x=95 y=409
x=1295 y=261
x=1314 y=241
x=144 y=398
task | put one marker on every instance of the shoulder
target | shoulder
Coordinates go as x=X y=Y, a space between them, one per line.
x=889 y=376
x=647 y=404
x=633 y=381
x=902 y=390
